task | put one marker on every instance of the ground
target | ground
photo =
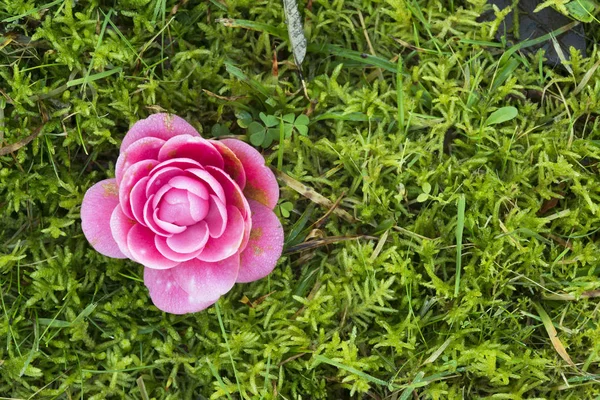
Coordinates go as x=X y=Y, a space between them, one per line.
x=441 y=213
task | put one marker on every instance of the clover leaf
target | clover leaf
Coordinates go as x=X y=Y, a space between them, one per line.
x=284 y=209
x=218 y=130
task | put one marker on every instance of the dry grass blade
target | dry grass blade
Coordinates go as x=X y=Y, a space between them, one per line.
x=21 y=143
x=434 y=356
x=586 y=78
x=226 y=98
x=324 y=218
x=558 y=346
x=569 y=297
x=142 y=386
x=313 y=244
x=312 y=195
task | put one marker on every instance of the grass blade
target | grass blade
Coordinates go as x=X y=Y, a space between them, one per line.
x=352 y=370
x=363 y=58
x=94 y=77
x=558 y=346
x=460 y=225
x=218 y=309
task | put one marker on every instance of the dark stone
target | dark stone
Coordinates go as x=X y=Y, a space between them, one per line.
x=533 y=25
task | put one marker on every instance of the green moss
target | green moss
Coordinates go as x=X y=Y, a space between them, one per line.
x=367 y=318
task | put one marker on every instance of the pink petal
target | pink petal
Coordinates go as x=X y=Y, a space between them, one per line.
x=233 y=193
x=195 y=241
x=226 y=245
x=120 y=226
x=265 y=245
x=159 y=178
x=143 y=149
x=205 y=280
x=181 y=163
x=233 y=166
x=192 y=239
x=140 y=242
x=159 y=194
x=261 y=184
x=162 y=126
x=167 y=226
x=174 y=207
x=193 y=148
x=132 y=176
x=216 y=217
x=149 y=219
x=209 y=180
x=137 y=199
x=97 y=207
x=198 y=207
x=168 y=296
x=190 y=184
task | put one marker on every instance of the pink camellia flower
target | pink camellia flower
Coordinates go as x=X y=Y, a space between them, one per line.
x=197 y=213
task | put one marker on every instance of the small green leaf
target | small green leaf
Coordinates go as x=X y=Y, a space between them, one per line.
x=302 y=120
x=422 y=197
x=302 y=129
x=267 y=141
x=268 y=120
x=257 y=138
x=219 y=130
x=271 y=121
x=287 y=129
x=285 y=209
x=426 y=188
x=274 y=133
x=255 y=127
x=582 y=10
x=289 y=118
x=244 y=118
x=502 y=115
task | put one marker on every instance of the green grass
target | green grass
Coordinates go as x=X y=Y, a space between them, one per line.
x=483 y=286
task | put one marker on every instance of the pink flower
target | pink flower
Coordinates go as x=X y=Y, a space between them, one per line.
x=197 y=213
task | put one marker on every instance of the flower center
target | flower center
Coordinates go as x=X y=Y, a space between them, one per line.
x=183 y=208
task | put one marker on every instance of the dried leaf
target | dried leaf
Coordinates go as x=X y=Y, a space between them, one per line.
x=312 y=195
x=295 y=30
x=23 y=142
x=558 y=346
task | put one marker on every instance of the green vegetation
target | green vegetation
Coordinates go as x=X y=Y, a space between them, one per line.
x=461 y=257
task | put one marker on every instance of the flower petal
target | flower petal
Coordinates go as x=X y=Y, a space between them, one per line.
x=199 y=207
x=137 y=199
x=140 y=241
x=132 y=176
x=190 y=184
x=233 y=166
x=162 y=126
x=120 y=225
x=209 y=180
x=233 y=193
x=192 y=239
x=166 y=226
x=143 y=149
x=196 y=240
x=226 y=245
x=265 y=245
x=159 y=178
x=168 y=296
x=193 y=148
x=261 y=184
x=97 y=207
x=216 y=217
x=207 y=281
x=150 y=218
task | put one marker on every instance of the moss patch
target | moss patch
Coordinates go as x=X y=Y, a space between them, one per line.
x=382 y=315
